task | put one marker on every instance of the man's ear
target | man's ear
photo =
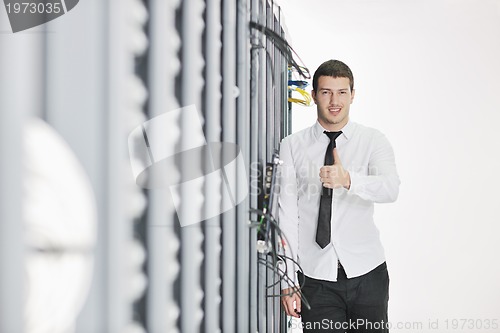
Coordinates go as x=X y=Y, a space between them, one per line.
x=313 y=95
x=352 y=94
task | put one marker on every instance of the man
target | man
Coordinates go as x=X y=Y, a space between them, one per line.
x=332 y=174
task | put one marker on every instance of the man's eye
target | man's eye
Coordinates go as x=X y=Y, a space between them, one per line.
x=325 y=92
x=343 y=92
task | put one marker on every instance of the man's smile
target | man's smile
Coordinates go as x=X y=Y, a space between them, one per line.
x=335 y=110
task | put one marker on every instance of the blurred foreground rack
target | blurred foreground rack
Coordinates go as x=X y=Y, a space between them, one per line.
x=105 y=115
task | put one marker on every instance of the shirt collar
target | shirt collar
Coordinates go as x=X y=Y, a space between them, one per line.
x=347 y=130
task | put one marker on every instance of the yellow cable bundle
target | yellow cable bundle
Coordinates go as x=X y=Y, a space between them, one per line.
x=307 y=101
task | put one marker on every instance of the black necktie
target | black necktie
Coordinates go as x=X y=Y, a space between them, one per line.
x=325 y=206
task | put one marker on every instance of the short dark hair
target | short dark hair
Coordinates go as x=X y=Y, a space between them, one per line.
x=333 y=68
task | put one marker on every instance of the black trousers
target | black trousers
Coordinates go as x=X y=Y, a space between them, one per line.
x=348 y=305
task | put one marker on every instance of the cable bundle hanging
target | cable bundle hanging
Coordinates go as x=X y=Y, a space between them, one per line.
x=284 y=48
x=271 y=239
x=298 y=86
x=307 y=101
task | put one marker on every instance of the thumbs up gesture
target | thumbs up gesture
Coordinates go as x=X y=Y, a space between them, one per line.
x=335 y=176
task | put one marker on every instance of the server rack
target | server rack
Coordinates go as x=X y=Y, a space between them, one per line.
x=140 y=60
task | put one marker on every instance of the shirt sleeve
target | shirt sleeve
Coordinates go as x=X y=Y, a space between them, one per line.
x=288 y=211
x=382 y=182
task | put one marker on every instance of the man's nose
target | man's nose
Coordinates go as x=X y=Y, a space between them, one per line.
x=334 y=98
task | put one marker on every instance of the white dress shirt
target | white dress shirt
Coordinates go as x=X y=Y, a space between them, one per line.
x=355 y=241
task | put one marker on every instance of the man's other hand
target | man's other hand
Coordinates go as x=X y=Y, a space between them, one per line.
x=291 y=296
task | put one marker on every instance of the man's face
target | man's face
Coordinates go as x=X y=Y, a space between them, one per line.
x=333 y=99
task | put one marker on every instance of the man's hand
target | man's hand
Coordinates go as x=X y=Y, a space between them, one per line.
x=335 y=176
x=288 y=299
